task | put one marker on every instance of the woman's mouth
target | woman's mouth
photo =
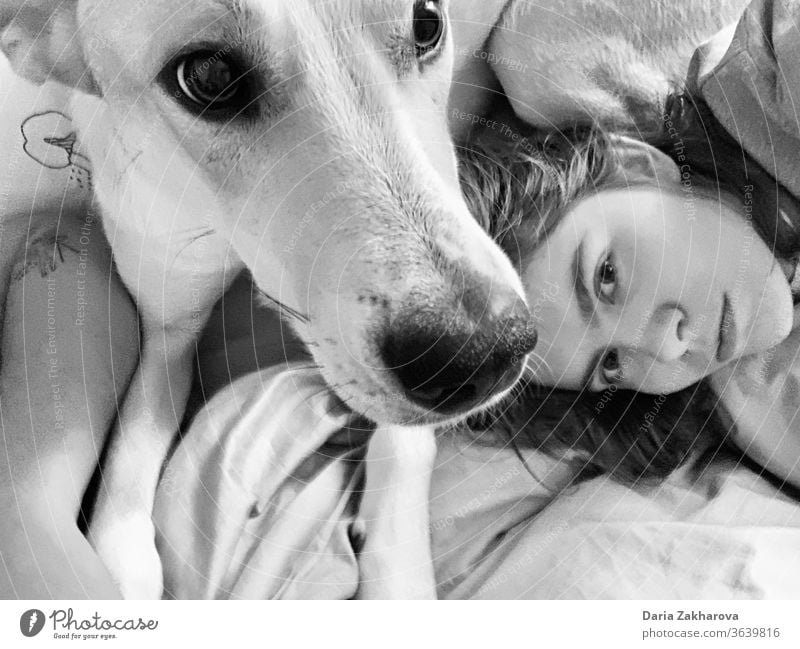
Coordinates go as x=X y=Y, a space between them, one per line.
x=726 y=346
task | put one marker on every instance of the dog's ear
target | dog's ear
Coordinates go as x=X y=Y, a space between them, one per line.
x=642 y=160
x=41 y=40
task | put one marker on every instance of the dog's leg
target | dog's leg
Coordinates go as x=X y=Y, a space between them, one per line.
x=121 y=529
x=395 y=561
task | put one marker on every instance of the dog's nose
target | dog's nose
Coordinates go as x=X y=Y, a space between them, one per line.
x=452 y=360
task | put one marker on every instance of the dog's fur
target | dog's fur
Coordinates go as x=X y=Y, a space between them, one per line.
x=340 y=197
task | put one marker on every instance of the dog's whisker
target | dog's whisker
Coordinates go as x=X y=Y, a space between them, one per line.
x=539 y=361
x=203 y=229
x=310 y=366
x=283 y=308
x=347 y=401
x=324 y=390
x=206 y=232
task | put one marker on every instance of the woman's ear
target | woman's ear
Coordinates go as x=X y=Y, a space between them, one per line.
x=42 y=42
x=642 y=160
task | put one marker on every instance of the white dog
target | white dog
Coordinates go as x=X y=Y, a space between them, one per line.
x=306 y=141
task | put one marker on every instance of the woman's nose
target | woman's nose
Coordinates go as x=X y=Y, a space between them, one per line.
x=670 y=336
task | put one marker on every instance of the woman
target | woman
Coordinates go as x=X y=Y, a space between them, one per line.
x=660 y=265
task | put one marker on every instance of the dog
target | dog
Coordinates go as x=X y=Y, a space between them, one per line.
x=307 y=142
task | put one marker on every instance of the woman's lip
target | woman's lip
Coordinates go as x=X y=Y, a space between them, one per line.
x=727 y=332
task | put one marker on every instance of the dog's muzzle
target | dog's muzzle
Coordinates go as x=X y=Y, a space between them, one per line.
x=451 y=360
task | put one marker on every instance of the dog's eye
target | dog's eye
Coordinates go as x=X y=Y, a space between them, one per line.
x=429 y=26
x=209 y=80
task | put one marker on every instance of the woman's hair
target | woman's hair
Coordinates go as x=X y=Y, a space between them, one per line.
x=521 y=192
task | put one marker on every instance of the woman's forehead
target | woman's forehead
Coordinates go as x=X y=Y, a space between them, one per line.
x=615 y=202
x=565 y=342
x=565 y=365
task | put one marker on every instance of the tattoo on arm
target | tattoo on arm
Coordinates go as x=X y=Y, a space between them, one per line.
x=44 y=252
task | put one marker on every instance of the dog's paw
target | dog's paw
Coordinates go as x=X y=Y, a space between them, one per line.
x=393 y=525
x=127 y=548
x=399 y=448
x=399 y=465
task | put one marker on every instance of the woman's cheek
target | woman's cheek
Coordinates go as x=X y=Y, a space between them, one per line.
x=775 y=314
x=667 y=379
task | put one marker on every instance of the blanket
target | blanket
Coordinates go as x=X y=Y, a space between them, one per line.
x=259 y=501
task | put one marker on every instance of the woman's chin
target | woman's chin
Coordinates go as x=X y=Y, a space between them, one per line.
x=774 y=315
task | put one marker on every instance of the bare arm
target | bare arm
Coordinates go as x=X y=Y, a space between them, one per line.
x=69 y=347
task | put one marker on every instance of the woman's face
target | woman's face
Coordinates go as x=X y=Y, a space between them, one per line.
x=652 y=291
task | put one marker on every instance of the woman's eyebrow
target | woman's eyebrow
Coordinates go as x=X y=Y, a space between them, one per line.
x=585 y=302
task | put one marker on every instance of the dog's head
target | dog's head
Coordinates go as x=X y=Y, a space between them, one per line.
x=316 y=134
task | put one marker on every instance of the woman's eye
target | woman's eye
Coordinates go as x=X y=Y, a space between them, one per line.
x=209 y=80
x=606 y=280
x=429 y=25
x=611 y=369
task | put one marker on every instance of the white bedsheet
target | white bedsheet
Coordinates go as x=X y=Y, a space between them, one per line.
x=730 y=536
x=257 y=503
